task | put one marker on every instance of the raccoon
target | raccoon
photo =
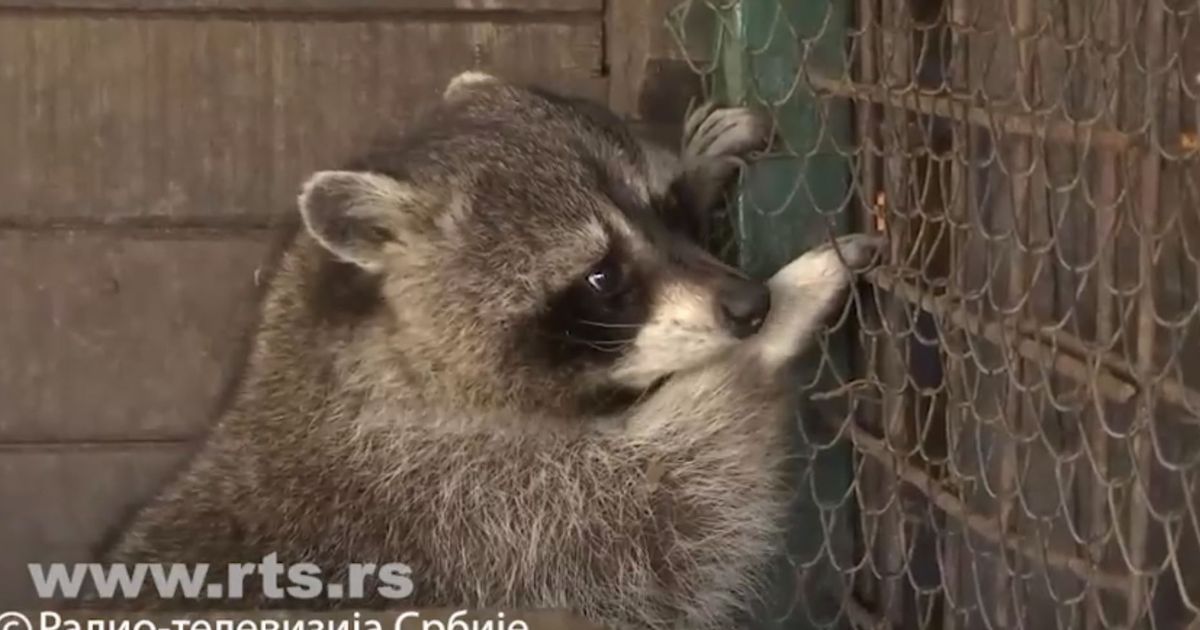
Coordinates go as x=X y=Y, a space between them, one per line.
x=496 y=353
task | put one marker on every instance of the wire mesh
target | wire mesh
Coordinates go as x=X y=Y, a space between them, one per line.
x=1002 y=430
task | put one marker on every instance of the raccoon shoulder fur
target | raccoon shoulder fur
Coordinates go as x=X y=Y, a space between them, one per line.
x=496 y=354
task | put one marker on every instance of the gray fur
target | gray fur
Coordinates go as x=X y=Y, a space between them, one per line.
x=390 y=411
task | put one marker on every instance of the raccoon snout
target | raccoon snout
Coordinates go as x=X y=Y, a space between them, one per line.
x=742 y=306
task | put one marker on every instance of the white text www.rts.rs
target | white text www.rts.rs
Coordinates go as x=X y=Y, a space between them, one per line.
x=169 y=581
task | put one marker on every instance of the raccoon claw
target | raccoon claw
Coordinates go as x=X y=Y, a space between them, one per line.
x=859 y=252
x=726 y=132
x=693 y=120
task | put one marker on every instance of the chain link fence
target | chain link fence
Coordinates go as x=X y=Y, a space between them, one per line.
x=1003 y=429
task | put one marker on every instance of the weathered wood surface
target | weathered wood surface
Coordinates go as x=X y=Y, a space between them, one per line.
x=110 y=337
x=219 y=120
x=60 y=502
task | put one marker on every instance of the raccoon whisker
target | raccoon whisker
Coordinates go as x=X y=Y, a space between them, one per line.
x=608 y=324
x=603 y=345
x=596 y=345
x=608 y=342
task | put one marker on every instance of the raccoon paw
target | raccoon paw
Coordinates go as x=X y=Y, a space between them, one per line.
x=716 y=141
x=858 y=252
x=837 y=260
x=732 y=132
x=804 y=291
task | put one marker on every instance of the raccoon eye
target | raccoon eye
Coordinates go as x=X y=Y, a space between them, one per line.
x=604 y=279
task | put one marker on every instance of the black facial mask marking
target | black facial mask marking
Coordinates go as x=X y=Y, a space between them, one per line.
x=593 y=323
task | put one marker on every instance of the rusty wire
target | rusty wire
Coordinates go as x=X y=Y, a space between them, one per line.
x=1024 y=407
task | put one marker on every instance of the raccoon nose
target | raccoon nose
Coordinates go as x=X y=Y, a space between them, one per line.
x=743 y=305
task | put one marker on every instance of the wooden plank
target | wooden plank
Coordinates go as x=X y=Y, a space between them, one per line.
x=628 y=50
x=307 y=6
x=651 y=81
x=60 y=505
x=195 y=120
x=108 y=337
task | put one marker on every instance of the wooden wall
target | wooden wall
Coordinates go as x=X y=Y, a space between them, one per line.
x=149 y=153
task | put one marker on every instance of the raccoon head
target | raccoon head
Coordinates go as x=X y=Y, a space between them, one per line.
x=529 y=250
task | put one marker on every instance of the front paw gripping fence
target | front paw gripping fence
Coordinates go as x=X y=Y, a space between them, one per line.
x=1002 y=429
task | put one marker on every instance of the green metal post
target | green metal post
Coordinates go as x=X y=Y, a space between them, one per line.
x=789 y=201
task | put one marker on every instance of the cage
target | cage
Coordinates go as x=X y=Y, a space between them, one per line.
x=1000 y=430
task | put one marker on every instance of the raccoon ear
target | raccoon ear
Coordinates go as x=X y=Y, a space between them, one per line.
x=464 y=82
x=355 y=215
